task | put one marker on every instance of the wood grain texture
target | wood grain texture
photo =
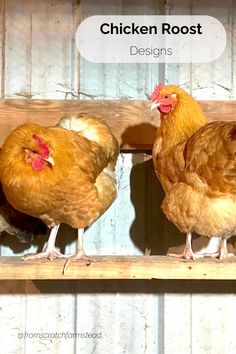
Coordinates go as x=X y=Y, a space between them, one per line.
x=119 y=267
x=132 y=122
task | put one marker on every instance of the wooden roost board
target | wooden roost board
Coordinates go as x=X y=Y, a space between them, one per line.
x=134 y=125
x=119 y=267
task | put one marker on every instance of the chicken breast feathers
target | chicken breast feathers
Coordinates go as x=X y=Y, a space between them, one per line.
x=199 y=177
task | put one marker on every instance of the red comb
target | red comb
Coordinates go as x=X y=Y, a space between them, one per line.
x=44 y=150
x=156 y=92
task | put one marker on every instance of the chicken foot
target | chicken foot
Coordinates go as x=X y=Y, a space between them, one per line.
x=188 y=252
x=80 y=254
x=222 y=253
x=50 y=251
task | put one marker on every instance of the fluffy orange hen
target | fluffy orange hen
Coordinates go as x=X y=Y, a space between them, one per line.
x=62 y=174
x=196 y=164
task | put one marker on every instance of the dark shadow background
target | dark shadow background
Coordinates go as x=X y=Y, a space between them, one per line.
x=66 y=235
x=19 y=287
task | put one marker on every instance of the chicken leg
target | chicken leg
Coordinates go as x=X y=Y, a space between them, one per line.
x=223 y=251
x=50 y=251
x=80 y=254
x=188 y=252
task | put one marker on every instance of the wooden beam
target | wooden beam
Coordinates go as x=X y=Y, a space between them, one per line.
x=119 y=267
x=132 y=122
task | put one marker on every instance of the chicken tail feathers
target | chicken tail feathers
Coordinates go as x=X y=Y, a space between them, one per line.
x=95 y=130
x=26 y=237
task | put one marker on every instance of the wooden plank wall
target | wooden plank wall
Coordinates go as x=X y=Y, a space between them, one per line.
x=131 y=121
x=39 y=61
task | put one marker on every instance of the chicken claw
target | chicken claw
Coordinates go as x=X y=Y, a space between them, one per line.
x=78 y=256
x=184 y=255
x=48 y=254
x=188 y=252
x=222 y=253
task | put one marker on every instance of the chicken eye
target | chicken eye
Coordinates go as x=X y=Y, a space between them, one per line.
x=166 y=96
x=30 y=151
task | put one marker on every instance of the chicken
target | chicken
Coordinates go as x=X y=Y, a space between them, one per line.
x=62 y=174
x=196 y=164
x=15 y=223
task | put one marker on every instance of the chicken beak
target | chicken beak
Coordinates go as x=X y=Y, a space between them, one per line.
x=155 y=105
x=50 y=161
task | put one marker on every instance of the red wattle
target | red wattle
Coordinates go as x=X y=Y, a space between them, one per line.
x=165 y=108
x=38 y=165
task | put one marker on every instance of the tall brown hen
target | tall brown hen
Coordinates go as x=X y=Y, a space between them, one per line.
x=196 y=164
x=62 y=174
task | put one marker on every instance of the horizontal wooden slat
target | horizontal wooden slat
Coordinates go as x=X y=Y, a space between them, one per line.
x=119 y=267
x=132 y=122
